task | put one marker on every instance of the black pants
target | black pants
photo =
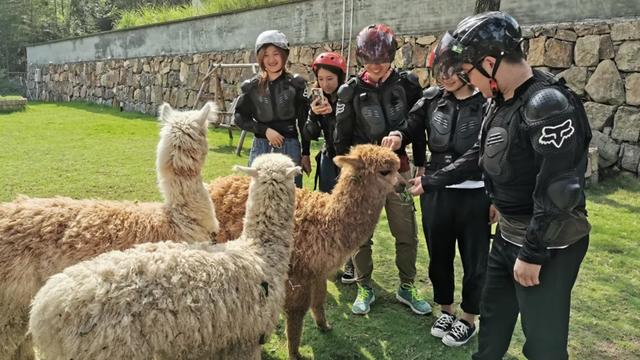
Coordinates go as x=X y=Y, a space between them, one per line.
x=463 y=215
x=544 y=308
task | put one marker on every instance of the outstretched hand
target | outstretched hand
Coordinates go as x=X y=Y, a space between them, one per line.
x=416 y=186
x=392 y=142
x=305 y=163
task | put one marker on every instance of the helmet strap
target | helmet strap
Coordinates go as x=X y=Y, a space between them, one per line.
x=493 y=83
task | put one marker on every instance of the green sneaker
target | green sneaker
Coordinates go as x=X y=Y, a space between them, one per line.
x=408 y=295
x=362 y=305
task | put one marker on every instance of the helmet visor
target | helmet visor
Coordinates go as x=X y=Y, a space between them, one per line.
x=447 y=59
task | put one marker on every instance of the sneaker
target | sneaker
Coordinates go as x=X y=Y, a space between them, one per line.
x=349 y=275
x=363 y=302
x=408 y=295
x=442 y=326
x=460 y=333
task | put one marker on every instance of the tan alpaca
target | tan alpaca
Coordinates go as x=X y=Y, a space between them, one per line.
x=328 y=227
x=176 y=300
x=40 y=237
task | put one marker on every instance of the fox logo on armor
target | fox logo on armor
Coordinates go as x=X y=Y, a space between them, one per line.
x=556 y=135
x=339 y=108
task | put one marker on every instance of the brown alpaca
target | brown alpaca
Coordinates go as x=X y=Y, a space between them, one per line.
x=328 y=227
x=40 y=237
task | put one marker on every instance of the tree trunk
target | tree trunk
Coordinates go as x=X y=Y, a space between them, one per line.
x=486 y=5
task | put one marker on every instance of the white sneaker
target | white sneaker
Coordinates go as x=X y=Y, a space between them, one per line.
x=442 y=326
x=459 y=334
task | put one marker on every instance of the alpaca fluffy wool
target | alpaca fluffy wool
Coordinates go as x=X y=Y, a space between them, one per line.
x=328 y=227
x=40 y=237
x=176 y=300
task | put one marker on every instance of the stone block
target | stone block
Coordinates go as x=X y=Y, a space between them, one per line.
x=599 y=114
x=626 y=124
x=535 y=57
x=632 y=87
x=587 y=50
x=626 y=31
x=576 y=78
x=605 y=85
x=630 y=157
x=558 y=54
x=628 y=57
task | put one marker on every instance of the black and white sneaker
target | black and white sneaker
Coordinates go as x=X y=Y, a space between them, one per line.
x=442 y=326
x=460 y=333
x=349 y=275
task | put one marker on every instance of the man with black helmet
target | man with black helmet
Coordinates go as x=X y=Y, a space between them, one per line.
x=533 y=152
x=369 y=106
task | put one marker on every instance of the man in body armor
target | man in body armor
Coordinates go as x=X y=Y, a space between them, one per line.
x=533 y=153
x=369 y=106
x=451 y=114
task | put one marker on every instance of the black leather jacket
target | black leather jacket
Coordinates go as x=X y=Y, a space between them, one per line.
x=533 y=153
x=365 y=113
x=282 y=107
x=325 y=124
x=451 y=125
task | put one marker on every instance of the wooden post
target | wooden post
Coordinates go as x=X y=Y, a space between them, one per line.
x=486 y=5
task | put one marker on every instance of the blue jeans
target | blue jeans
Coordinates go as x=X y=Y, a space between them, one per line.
x=326 y=172
x=290 y=147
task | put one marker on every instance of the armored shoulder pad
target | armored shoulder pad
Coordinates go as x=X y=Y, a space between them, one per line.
x=411 y=78
x=249 y=84
x=298 y=82
x=346 y=91
x=431 y=92
x=544 y=104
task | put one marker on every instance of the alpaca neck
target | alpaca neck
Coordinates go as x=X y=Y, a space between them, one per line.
x=186 y=192
x=353 y=199
x=269 y=219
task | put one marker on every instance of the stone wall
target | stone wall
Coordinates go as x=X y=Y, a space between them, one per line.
x=600 y=60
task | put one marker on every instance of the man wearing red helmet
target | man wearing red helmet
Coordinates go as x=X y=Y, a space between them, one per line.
x=369 y=106
x=330 y=70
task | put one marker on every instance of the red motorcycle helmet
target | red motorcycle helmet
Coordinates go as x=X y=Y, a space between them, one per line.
x=332 y=59
x=376 y=44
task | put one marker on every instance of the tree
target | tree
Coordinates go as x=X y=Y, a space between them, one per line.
x=486 y=5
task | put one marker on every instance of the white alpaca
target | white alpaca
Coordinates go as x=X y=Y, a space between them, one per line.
x=40 y=237
x=176 y=300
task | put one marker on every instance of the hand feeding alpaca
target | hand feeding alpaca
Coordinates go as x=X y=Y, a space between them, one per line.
x=40 y=237
x=328 y=227
x=176 y=300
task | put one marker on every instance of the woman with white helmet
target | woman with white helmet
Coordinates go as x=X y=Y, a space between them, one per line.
x=273 y=105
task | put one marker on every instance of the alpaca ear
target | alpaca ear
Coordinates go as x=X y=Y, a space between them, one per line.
x=164 y=112
x=293 y=171
x=208 y=108
x=247 y=170
x=342 y=160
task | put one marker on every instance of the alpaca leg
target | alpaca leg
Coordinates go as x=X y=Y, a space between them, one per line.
x=296 y=306
x=318 y=297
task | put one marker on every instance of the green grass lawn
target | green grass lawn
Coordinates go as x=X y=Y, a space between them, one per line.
x=87 y=151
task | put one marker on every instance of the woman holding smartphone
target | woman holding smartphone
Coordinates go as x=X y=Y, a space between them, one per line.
x=330 y=71
x=272 y=104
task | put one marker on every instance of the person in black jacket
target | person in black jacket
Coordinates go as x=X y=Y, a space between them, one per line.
x=330 y=70
x=273 y=105
x=369 y=106
x=533 y=153
x=450 y=115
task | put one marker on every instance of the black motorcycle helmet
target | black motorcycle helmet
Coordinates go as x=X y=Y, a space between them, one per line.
x=493 y=33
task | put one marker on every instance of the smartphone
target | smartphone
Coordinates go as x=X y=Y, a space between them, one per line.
x=317 y=95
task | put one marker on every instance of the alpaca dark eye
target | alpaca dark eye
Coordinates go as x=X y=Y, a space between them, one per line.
x=385 y=172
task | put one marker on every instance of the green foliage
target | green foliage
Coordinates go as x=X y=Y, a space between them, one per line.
x=159 y=14
x=87 y=151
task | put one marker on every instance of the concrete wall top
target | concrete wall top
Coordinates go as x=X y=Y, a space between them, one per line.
x=311 y=21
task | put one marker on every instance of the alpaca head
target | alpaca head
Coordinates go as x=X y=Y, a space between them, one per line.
x=271 y=193
x=375 y=167
x=183 y=145
x=271 y=169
